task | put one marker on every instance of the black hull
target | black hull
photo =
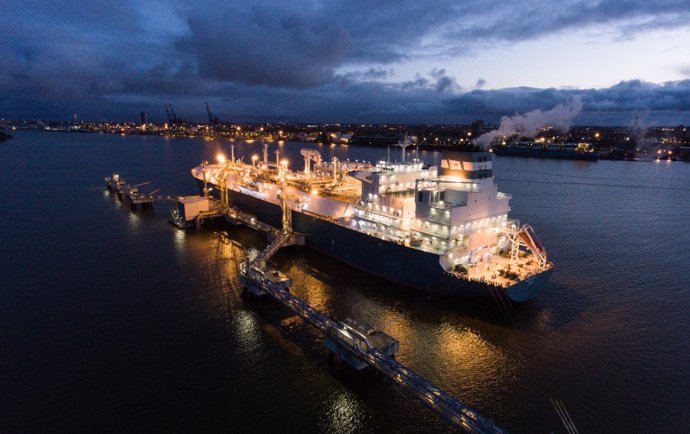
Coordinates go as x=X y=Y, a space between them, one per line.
x=545 y=153
x=386 y=259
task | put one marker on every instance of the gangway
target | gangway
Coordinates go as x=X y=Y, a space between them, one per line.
x=235 y=216
x=272 y=248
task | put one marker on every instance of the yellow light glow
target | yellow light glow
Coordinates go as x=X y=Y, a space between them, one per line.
x=284 y=163
x=314 y=191
x=220 y=158
x=255 y=157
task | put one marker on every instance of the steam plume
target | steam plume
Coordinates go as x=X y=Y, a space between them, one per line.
x=528 y=123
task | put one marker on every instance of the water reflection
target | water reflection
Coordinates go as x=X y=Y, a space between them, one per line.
x=312 y=290
x=345 y=413
x=134 y=220
x=230 y=254
x=466 y=364
x=179 y=242
x=248 y=331
x=585 y=339
x=396 y=324
x=463 y=346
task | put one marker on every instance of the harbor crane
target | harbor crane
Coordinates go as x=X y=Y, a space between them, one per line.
x=212 y=119
x=173 y=118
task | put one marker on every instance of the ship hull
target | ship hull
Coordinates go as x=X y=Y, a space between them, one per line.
x=545 y=153
x=386 y=259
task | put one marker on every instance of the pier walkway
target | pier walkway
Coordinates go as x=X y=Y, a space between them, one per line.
x=355 y=344
x=344 y=338
x=236 y=216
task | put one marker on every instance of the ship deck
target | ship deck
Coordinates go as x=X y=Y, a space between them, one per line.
x=490 y=270
x=497 y=270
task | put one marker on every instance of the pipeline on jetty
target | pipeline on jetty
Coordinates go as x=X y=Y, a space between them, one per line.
x=354 y=343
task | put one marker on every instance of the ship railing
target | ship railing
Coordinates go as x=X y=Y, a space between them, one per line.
x=371 y=208
x=442 y=220
x=442 y=205
x=434 y=233
x=407 y=192
x=399 y=238
x=317 y=215
x=379 y=217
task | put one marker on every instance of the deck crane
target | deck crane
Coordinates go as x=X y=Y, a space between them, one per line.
x=309 y=156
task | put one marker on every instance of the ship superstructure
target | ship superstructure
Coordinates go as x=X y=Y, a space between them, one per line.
x=441 y=229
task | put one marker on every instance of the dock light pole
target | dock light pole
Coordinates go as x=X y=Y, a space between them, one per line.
x=254 y=158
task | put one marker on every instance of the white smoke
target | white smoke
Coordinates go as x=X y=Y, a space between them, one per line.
x=529 y=123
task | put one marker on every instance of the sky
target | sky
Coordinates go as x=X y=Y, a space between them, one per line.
x=356 y=61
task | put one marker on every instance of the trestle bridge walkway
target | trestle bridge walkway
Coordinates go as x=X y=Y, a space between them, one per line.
x=358 y=345
x=354 y=343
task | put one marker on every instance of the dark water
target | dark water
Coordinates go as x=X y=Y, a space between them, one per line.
x=112 y=321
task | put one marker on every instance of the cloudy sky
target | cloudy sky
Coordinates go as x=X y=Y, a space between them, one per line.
x=431 y=61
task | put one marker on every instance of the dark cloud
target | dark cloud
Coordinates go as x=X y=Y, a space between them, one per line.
x=279 y=59
x=267 y=45
x=443 y=82
x=371 y=74
x=408 y=103
x=438 y=81
x=532 y=19
x=418 y=83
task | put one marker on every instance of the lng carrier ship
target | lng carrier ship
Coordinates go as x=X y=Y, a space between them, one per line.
x=439 y=229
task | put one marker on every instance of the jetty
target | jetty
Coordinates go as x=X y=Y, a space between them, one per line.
x=128 y=193
x=353 y=342
x=358 y=345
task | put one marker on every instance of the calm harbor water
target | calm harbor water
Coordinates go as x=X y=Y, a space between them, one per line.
x=113 y=321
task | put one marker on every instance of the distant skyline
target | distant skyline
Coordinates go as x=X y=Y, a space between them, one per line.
x=352 y=62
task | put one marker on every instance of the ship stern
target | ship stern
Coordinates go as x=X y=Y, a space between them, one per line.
x=530 y=287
